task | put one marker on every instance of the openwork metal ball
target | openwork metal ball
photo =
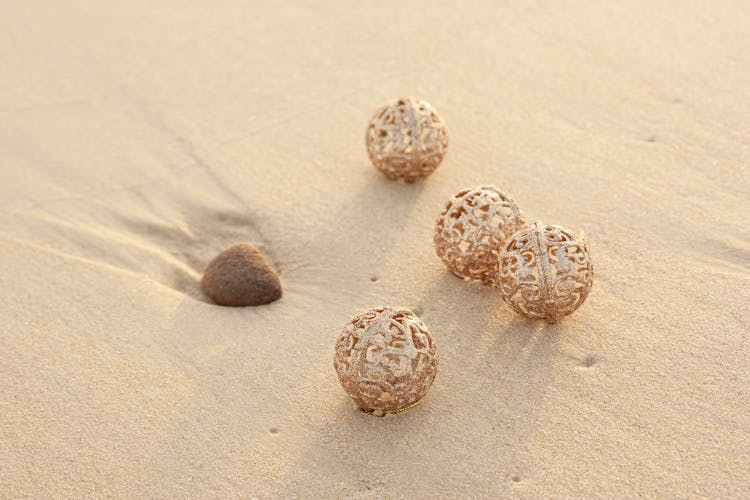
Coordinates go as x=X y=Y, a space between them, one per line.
x=545 y=272
x=386 y=360
x=471 y=230
x=406 y=140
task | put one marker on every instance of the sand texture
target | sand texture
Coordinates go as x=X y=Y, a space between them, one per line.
x=138 y=139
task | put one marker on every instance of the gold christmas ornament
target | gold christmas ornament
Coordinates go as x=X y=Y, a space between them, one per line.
x=386 y=360
x=406 y=140
x=545 y=272
x=472 y=228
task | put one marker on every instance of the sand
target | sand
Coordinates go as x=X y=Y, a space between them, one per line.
x=138 y=139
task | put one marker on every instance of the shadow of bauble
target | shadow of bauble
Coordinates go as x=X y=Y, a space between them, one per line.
x=377 y=192
x=351 y=440
x=349 y=230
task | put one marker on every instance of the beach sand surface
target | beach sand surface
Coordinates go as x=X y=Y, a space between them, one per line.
x=138 y=139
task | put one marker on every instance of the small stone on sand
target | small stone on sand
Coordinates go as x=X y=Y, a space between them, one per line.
x=241 y=276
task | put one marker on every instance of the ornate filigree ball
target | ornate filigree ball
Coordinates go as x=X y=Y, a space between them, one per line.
x=386 y=360
x=406 y=140
x=471 y=230
x=545 y=272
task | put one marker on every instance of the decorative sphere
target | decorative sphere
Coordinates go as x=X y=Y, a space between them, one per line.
x=471 y=230
x=386 y=360
x=545 y=272
x=406 y=140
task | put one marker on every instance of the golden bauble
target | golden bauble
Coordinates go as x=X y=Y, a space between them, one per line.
x=472 y=228
x=386 y=360
x=545 y=272
x=406 y=139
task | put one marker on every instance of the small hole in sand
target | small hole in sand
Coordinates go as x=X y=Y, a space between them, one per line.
x=419 y=310
x=650 y=138
x=274 y=430
x=589 y=361
x=516 y=479
x=373 y=278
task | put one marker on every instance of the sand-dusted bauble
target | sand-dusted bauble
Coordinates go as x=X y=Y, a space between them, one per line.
x=472 y=228
x=241 y=276
x=406 y=139
x=386 y=360
x=545 y=272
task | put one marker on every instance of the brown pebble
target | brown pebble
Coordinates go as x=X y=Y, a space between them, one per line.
x=241 y=276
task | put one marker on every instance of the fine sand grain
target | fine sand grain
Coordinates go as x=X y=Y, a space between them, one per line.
x=139 y=139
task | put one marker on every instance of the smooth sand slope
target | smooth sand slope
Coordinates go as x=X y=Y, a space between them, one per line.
x=138 y=139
